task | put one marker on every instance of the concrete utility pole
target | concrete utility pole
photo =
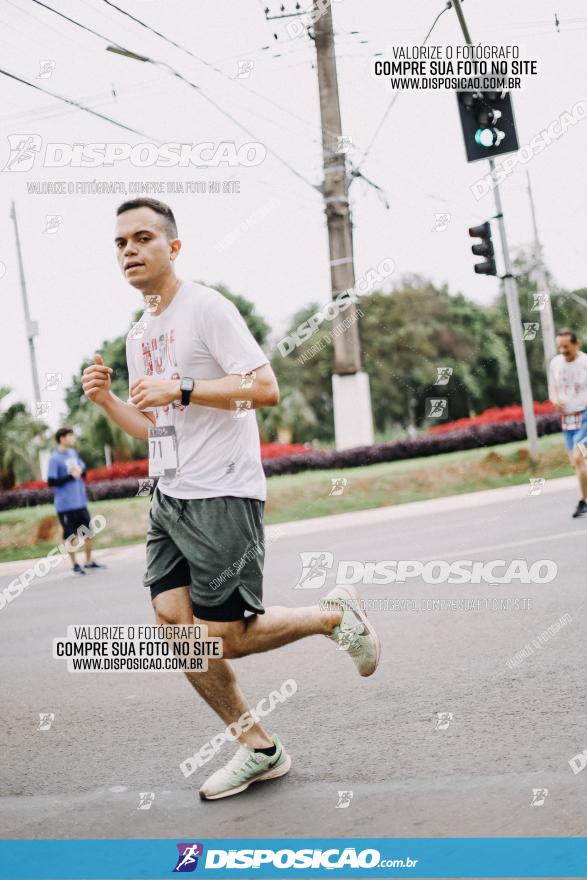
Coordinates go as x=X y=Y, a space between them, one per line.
x=511 y=293
x=543 y=289
x=32 y=328
x=353 y=419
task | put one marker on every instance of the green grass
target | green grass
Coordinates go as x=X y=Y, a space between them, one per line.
x=26 y=533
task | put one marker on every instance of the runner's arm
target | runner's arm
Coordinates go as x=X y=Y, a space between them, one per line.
x=553 y=390
x=128 y=417
x=259 y=386
x=59 y=481
x=221 y=393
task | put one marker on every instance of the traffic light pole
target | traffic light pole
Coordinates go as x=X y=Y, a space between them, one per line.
x=511 y=293
x=513 y=304
x=546 y=318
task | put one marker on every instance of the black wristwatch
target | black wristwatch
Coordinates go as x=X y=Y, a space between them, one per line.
x=186 y=386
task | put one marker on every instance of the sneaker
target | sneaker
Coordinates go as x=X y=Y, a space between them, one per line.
x=77 y=569
x=246 y=767
x=354 y=634
x=581 y=509
x=93 y=565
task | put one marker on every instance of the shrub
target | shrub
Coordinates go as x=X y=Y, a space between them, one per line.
x=310 y=460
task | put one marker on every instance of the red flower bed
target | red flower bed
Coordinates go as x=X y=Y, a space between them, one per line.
x=119 y=470
x=140 y=468
x=493 y=416
x=276 y=450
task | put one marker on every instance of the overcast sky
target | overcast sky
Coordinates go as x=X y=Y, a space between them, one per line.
x=278 y=252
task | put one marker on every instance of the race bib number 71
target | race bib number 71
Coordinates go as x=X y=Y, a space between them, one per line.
x=163 y=459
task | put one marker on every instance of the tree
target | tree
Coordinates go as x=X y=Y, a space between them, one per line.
x=21 y=436
x=406 y=336
x=567 y=312
x=256 y=324
x=293 y=416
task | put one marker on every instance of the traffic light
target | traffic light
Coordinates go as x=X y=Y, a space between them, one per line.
x=487 y=120
x=484 y=249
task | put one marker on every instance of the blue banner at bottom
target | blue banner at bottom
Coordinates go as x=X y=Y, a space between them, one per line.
x=303 y=858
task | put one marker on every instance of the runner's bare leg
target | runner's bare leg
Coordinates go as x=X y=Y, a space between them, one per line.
x=219 y=686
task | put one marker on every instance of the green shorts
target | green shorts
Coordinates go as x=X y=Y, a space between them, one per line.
x=214 y=546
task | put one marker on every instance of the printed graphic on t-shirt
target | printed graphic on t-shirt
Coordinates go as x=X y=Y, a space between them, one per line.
x=158 y=356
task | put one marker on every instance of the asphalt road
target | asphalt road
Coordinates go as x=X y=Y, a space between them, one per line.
x=512 y=730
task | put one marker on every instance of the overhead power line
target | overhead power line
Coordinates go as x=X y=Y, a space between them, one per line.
x=395 y=97
x=77 y=104
x=77 y=23
x=210 y=64
x=178 y=75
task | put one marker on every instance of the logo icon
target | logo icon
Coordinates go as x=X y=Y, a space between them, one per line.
x=441 y=222
x=137 y=330
x=241 y=408
x=338 y=485
x=536 y=485
x=539 y=795
x=46 y=719
x=53 y=381
x=436 y=407
x=46 y=68
x=539 y=302
x=152 y=300
x=52 y=223
x=245 y=68
x=344 y=800
x=344 y=143
x=443 y=720
x=314 y=566
x=187 y=860
x=444 y=374
x=530 y=330
x=23 y=151
x=42 y=408
x=247 y=379
x=146 y=798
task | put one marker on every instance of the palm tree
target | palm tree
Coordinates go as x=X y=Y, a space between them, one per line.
x=20 y=437
x=290 y=419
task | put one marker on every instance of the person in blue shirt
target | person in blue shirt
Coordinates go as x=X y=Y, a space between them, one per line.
x=65 y=475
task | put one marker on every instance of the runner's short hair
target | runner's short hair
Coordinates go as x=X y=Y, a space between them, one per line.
x=62 y=432
x=570 y=333
x=155 y=205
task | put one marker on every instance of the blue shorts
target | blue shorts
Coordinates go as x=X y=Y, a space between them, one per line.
x=577 y=436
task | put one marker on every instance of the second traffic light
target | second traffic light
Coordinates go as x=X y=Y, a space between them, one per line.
x=483 y=249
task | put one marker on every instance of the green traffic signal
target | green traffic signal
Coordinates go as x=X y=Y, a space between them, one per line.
x=486 y=137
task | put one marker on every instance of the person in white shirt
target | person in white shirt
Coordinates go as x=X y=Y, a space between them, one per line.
x=567 y=382
x=196 y=374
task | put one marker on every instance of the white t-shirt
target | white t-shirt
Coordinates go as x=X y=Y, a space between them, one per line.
x=568 y=382
x=202 y=335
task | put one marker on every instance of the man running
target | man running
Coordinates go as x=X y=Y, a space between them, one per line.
x=568 y=393
x=65 y=475
x=205 y=543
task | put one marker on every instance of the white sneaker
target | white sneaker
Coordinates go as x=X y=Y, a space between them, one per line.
x=246 y=767
x=354 y=634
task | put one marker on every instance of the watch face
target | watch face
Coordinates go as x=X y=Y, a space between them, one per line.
x=186 y=384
